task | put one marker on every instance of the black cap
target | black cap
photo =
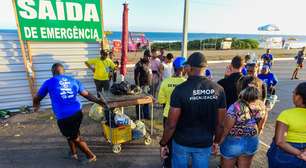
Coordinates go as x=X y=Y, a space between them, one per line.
x=197 y=59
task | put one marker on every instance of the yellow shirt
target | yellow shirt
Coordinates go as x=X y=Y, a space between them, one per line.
x=102 y=68
x=295 y=119
x=166 y=89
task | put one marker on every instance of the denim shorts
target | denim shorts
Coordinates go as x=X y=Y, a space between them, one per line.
x=278 y=158
x=233 y=147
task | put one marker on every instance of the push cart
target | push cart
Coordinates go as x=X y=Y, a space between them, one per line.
x=122 y=134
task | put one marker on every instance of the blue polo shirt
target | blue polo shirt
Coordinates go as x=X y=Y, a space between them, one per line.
x=63 y=91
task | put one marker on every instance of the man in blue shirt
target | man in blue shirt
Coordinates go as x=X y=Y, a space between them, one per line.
x=269 y=79
x=67 y=107
x=267 y=58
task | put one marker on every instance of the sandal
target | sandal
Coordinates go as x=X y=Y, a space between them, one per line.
x=94 y=159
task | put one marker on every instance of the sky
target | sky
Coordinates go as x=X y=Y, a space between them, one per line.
x=206 y=16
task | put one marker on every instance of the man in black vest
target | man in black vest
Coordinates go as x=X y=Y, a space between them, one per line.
x=195 y=119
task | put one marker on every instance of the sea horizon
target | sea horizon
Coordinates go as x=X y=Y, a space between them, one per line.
x=178 y=36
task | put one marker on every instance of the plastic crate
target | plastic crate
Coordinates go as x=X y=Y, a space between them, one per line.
x=119 y=134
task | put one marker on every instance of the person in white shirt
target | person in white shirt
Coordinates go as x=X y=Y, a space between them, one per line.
x=166 y=68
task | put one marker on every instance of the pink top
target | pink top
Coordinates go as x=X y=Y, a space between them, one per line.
x=155 y=63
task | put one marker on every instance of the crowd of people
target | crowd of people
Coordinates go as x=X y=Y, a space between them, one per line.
x=201 y=117
x=229 y=115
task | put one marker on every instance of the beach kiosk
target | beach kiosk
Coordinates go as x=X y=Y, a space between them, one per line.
x=226 y=44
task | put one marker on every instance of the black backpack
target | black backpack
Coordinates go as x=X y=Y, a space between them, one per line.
x=125 y=88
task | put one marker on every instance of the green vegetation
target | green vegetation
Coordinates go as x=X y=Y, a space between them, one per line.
x=245 y=44
x=209 y=44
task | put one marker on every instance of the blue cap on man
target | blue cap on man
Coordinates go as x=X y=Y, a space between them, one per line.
x=179 y=62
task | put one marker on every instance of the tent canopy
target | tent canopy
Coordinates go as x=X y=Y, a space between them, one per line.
x=269 y=27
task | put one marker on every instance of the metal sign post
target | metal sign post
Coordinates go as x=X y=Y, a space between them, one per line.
x=185 y=29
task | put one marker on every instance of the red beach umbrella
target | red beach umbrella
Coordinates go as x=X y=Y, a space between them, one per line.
x=125 y=40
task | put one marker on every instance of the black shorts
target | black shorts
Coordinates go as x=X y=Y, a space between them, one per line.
x=70 y=127
x=300 y=66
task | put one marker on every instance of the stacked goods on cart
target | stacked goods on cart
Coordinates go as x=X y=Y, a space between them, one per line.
x=123 y=129
x=117 y=127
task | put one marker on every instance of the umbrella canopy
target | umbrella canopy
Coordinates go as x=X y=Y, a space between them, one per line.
x=269 y=27
x=125 y=40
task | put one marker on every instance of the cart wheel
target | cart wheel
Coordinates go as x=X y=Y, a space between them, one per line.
x=117 y=148
x=147 y=140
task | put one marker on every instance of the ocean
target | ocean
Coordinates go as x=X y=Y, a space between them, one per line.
x=175 y=36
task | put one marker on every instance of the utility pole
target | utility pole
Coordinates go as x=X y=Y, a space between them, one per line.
x=185 y=29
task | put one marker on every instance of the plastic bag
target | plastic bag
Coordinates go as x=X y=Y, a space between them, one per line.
x=122 y=119
x=140 y=130
x=96 y=112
